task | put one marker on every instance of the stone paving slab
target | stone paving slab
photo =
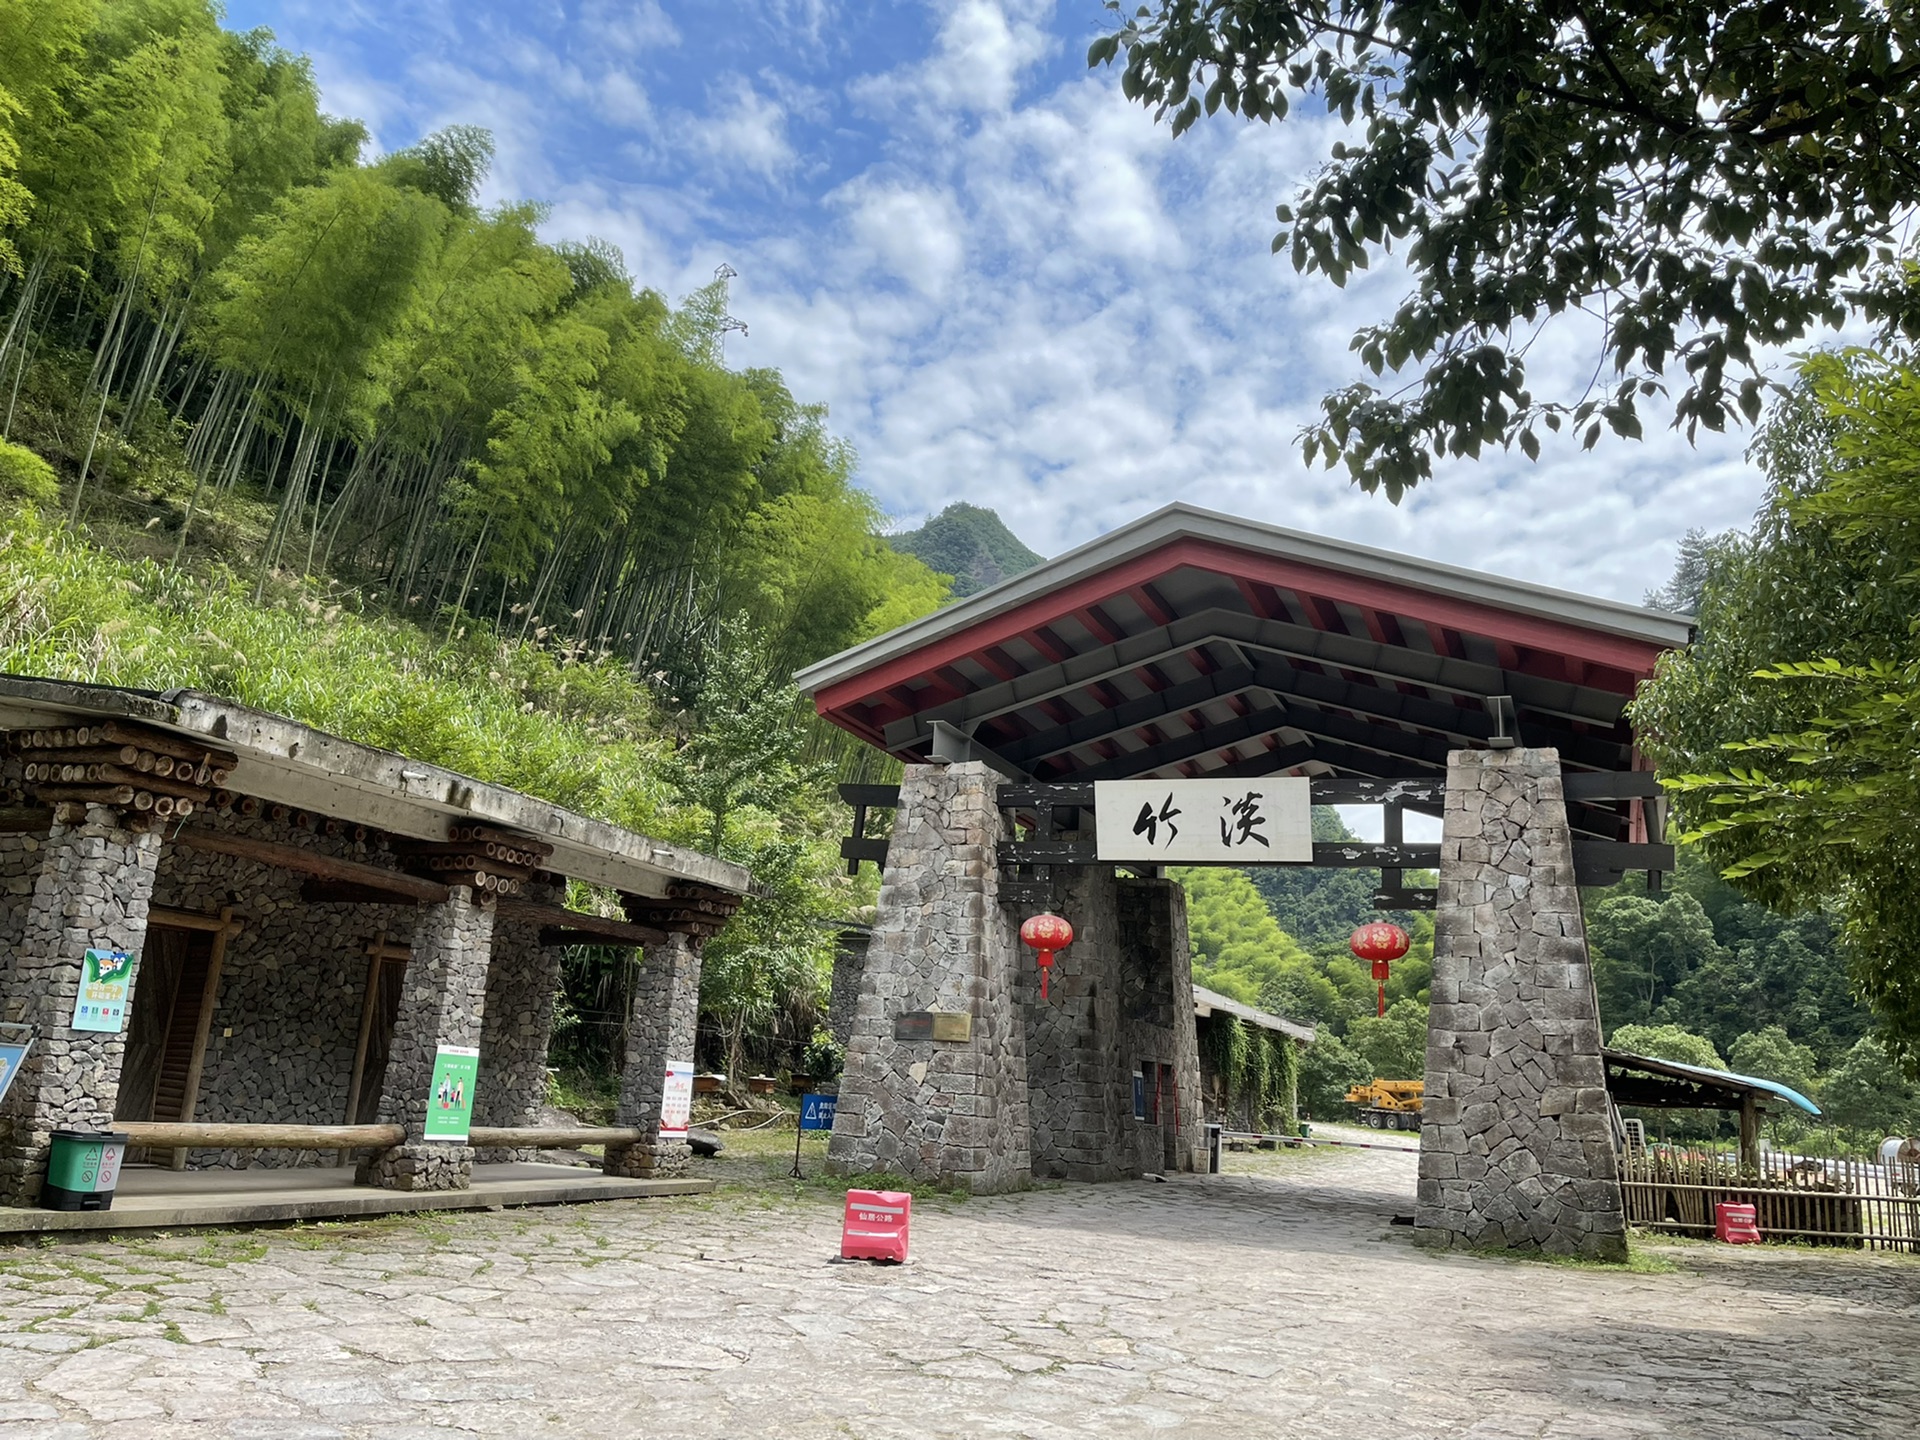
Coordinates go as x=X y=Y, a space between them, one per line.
x=1277 y=1302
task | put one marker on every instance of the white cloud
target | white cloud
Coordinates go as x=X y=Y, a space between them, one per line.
x=742 y=128
x=914 y=233
x=981 y=49
x=628 y=26
x=1024 y=293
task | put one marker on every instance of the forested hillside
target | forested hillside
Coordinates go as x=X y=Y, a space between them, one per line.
x=1697 y=973
x=330 y=434
x=972 y=545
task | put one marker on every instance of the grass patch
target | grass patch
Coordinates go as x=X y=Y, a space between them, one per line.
x=579 y=730
x=1639 y=1261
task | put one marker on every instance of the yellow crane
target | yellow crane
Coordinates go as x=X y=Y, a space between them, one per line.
x=1389 y=1104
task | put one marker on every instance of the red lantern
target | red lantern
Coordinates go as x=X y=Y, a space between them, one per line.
x=1382 y=944
x=1046 y=933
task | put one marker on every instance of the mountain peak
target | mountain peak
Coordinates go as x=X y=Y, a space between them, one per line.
x=969 y=543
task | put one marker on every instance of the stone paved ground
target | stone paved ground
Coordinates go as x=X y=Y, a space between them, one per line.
x=1272 y=1302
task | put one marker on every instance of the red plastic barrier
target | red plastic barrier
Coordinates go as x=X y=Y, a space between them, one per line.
x=875 y=1227
x=1736 y=1224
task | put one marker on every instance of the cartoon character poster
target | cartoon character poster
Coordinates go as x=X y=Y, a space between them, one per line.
x=450 y=1102
x=106 y=977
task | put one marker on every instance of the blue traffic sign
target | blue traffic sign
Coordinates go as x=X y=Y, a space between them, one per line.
x=816 y=1111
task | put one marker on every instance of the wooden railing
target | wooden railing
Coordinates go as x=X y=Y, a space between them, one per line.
x=492 y=1137
x=213 y=1135
x=1858 y=1204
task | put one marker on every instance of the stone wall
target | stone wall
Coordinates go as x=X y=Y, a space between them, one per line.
x=1079 y=1083
x=523 y=980
x=849 y=961
x=90 y=890
x=20 y=857
x=661 y=1028
x=442 y=1002
x=954 y=1113
x=1113 y=1006
x=1156 y=1014
x=286 y=1019
x=1516 y=1147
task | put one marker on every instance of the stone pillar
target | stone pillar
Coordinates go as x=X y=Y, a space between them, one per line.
x=661 y=1029
x=1516 y=1143
x=442 y=1002
x=1121 y=996
x=523 y=980
x=1157 y=1003
x=91 y=892
x=953 y=1112
x=1079 y=1072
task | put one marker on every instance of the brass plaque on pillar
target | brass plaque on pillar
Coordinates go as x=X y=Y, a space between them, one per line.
x=933 y=1025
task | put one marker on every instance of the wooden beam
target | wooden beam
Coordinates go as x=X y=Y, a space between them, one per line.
x=333 y=892
x=1356 y=855
x=876 y=797
x=168 y=1135
x=307 y=862
x=520 y=1137
x=221 y=924
x=855 y=849
x=25 y=820
x=596 y=929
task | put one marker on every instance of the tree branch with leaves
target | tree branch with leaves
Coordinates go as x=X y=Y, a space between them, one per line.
x=1709 y=179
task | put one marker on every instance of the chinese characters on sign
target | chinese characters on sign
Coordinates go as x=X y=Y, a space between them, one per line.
x=105 y=978
x=1184 y=822
x=450 y=1102
x=816 y=1111
x=676 y=1100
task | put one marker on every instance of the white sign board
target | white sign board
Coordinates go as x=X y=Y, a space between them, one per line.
x=1188 y=822
x=676 y=1100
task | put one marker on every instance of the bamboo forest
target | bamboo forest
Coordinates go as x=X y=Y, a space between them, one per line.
x=333 y=436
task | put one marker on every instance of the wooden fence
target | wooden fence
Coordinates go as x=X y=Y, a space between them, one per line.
x=1858 y=1204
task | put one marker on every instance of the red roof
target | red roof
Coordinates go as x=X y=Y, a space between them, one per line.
x=1190 y=643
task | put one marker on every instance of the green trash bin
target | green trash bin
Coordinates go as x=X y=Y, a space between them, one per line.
x=83 y=1170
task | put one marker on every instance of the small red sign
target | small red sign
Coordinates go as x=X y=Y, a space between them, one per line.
x=1735 y=1224
x=875 y=1227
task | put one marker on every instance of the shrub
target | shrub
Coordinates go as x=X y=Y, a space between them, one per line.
x=25 y=476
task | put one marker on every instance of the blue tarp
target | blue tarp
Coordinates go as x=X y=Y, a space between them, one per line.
x=1723 y=1078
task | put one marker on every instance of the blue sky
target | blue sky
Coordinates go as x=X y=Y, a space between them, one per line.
x=1007 y=284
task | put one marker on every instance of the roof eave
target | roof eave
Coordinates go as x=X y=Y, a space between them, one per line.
x=285 y=762
x=1182 y=521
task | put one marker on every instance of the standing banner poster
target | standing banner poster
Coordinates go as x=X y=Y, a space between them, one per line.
x=15 y=1042
x=676 y=1100
x=450 y=1105
x=105 y=978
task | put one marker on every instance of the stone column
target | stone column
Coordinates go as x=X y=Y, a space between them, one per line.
x=523 y=979
x=1516 y=1144
x=442 y=1002
x=95 y=879
x=661 y=1029
x=953 y=1112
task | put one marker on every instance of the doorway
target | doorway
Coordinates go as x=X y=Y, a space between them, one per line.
x=167 y=1026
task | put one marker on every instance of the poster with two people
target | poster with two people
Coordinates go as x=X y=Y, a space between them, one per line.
x=450 y=1098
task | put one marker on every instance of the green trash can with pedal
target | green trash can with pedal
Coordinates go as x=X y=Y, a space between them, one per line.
x=83 y=1171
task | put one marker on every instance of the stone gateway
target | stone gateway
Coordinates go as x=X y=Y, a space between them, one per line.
x=1210 y=654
